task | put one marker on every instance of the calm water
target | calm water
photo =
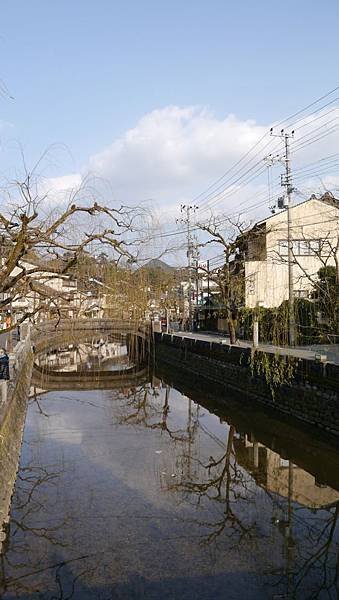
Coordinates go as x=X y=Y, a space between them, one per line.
x=144 y=493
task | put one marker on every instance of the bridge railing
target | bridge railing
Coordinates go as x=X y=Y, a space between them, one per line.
x=47 y=333
x=85 y=324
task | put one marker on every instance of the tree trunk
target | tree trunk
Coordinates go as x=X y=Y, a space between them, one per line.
x=231 y=329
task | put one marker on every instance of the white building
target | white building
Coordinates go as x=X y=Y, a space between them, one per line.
x=314 y=235
x=61 y=291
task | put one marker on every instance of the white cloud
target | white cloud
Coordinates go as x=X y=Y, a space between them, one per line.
x=59 y=190
x=174 y=153
x=64 y=183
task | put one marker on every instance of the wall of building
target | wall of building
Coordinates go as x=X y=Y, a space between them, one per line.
x=311 y=395
x=267 y=280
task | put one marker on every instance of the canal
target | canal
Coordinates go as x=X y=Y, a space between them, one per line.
x=147 y=490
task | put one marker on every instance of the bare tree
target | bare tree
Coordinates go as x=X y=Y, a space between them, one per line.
x=229 y=281
x=40 y=245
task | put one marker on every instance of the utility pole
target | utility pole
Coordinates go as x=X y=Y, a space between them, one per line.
x=186 y=211
x=208 y=283
x=196 y=259
x=286 y=182
x=270 y=161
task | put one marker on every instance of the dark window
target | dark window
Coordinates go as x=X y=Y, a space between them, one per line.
x=305 y=247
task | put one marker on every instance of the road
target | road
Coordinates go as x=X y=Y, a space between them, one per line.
x=308 y=352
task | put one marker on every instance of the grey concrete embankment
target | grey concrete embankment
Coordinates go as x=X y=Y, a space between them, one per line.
x=301 y=388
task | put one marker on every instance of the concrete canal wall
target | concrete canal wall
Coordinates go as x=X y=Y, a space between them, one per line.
x=303 y=389
x=13 y=404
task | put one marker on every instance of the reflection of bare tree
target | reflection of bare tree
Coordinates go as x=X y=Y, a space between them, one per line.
x=221 y=483
x=320 y=559
x=32 y=483
x=224 y=485
x=221 y=480
x=30 y=480
x=35 y=397
x=313 y=557
x=20 y=585
x=141 y=407
x=35 y=485
x=20 y=571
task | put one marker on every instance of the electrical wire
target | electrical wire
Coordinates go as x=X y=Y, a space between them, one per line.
x=251 y=173
x=317 y=139
x=278 y=124
x=221 y=196
x=313 y=132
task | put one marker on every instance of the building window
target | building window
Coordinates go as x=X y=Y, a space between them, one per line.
x=305 y=247
x=251 y=284
x=283 y=248
x=300 y=293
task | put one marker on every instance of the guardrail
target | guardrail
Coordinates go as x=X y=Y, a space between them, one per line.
x=87 y=324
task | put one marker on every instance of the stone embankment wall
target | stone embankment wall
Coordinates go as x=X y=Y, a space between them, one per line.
x=13 y=406
x=300 y=388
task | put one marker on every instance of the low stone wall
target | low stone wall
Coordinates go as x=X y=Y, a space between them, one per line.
x=12 y=419
x=299 y=388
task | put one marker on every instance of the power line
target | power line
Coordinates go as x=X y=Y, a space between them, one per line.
x=308 y=123
x=251 y=173
x=263 y=137
x=214 y=195
x=231 y=168
x=299 y=112
x=326 y=158
x=317 y=139
x=220 y=196
x=314 y=131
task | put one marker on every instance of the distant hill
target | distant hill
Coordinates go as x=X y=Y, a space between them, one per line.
x=157 y=264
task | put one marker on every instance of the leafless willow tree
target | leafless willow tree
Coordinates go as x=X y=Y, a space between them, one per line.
x=41 y=242
x=229 y=278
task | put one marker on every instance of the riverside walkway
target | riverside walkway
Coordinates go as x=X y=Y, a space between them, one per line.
x=331 y=351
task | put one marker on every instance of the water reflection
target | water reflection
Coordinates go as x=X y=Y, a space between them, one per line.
x=141 y=492
x=99 y=362
x=104 y=353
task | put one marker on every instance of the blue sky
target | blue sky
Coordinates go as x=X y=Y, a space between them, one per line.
x=84 y=72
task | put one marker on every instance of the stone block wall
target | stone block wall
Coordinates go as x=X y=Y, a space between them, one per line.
x=12 y=420
x=306 y=391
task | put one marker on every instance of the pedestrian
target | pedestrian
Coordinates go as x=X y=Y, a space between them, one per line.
x=4 y=364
